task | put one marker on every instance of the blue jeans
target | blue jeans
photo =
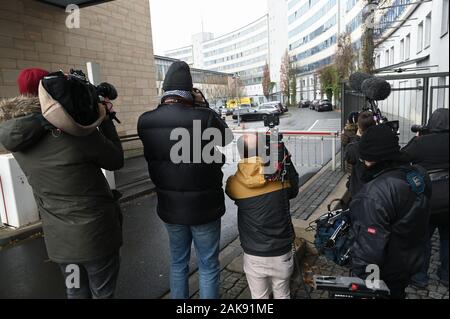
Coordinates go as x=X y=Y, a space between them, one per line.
x=422 y=277
x=206 y=243
x=97 y=280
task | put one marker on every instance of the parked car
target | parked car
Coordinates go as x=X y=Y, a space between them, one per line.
x=304 y=104
x=282 y=108
x=240 y=110
x=324 y=106
x=270 y=108
x=226 y=111
x=313 y=104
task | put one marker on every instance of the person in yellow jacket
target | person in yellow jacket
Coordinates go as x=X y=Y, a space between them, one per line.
x=264 y=222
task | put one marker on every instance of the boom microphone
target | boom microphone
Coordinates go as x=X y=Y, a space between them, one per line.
x=357 y=79
x=376 y=89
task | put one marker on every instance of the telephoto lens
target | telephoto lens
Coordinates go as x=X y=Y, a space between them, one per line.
x=416 y=128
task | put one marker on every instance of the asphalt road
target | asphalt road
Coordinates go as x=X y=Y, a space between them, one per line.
x=26 y=272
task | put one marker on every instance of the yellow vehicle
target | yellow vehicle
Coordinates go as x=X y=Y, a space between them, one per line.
x=233 y=103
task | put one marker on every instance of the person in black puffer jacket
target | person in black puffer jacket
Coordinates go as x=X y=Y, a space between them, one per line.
x=390 y=213
x=431 y=149
x=191 y=201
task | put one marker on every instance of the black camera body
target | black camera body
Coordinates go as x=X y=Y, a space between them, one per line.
x=104 y=90
x=277 y=165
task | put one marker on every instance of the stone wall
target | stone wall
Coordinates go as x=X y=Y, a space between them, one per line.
x=116 y=35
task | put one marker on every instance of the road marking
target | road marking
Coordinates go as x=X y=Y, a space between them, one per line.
x=315 y=123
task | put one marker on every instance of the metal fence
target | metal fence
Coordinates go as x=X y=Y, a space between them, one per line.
x=413 y=99
x=308 y=149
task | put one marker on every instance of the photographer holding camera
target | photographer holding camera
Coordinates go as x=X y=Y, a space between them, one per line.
x=430 y=149
x=264 y=220
x=351 y=152
x=390 y=213
x=62 y=140
x=191 y=201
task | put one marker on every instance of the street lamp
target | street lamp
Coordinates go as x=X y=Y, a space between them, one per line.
x=236 y=78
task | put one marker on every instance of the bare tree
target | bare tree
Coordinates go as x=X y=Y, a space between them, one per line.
x=266 y=83
x=345 y=56
x=368 y=45
x=286 y=74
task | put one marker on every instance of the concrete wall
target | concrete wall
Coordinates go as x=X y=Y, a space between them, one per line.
x=116 y=35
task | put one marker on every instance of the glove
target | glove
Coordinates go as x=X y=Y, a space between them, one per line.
x=110 y=110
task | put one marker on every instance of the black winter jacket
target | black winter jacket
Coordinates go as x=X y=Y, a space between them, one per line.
x=390 y=221
x=189 y=192
x=264 y=221
x=351 y=156
x=431 y=152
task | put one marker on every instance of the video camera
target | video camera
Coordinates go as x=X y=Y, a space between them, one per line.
x=103 y=91
x=350 y=288
x=277 y=165
x=333 y=237
x=374 y=89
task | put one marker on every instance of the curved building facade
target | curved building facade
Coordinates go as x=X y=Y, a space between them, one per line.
x=242 y=52
x=313 y=27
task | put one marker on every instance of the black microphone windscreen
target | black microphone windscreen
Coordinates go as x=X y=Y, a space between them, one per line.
x=356 y=80
x=376 y=89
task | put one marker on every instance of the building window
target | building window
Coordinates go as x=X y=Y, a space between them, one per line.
x=378 y=61
x=420 y=37
x=402 y=50
x=407 y=46
x=444 y=22
x=428 y=30
x=391 y=55
x=386 y=58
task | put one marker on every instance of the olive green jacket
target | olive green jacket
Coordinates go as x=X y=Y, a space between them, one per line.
x=81 y=218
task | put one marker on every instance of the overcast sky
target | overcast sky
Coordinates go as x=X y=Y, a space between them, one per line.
x=175 y=21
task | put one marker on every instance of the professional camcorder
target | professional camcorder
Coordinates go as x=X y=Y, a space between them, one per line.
x=350 y=288
x=79 y=97
x=424 y=130
x=278 y=166
x=333 y=237
x=374 y=90
x=105 y=91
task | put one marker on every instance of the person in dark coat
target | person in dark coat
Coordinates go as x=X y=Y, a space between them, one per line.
x=430 y=149
x=351 y=153
x=177 y=139
x=264 y=221
x=390 y=214
x=80 y=215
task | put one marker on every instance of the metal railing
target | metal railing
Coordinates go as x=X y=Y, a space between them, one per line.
x=309 y=149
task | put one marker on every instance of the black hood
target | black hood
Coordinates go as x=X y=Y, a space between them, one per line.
x=438 y=120
x=21 y=123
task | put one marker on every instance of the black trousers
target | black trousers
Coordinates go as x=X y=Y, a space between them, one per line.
x=92 y=280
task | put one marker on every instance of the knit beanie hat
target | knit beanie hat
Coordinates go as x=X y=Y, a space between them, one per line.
x=178 y=77
x=28 y=80
x=439 y=120
x=379 y=143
